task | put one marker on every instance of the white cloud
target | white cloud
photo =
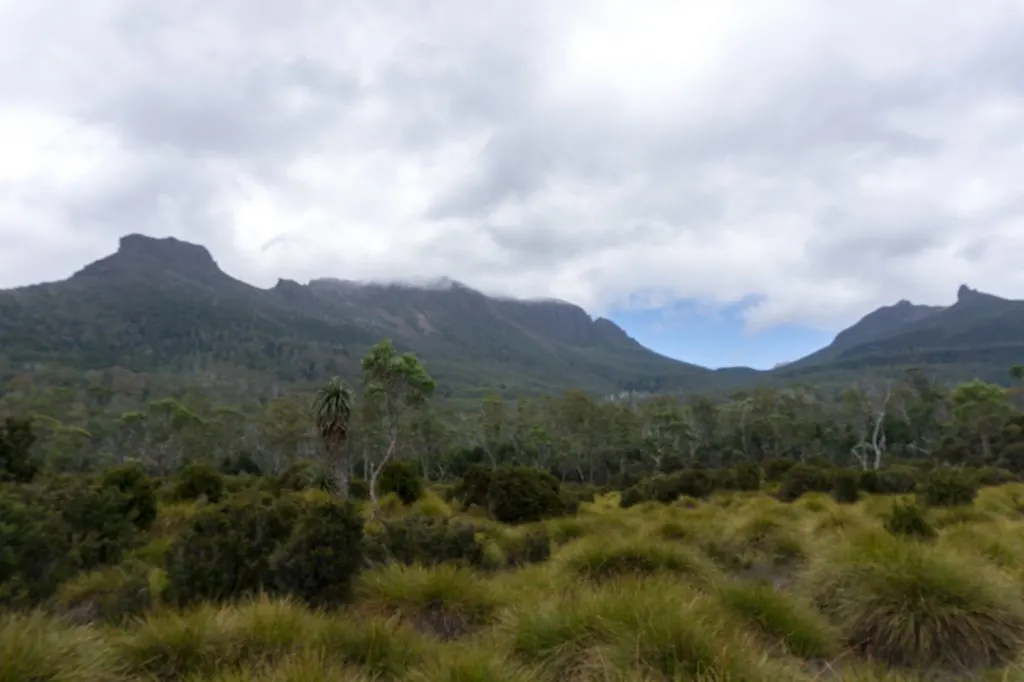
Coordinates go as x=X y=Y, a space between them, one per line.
x=820 y=159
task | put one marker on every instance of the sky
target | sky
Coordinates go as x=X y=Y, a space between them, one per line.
x=732 y=182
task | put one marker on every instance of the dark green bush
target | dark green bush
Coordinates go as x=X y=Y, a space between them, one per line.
x=776 y=468
x=139 y=491
x=473 y=489
x=424 y=540
x=523 y=495
x=897 y=480
x=239 y=465
x=226 y=552
x=845 y=487
x=198 y=479
x=804 y=478
x=948 y=487
x=695 y=483
x=321 y=555
x=995 y=476
x=35 y=550
x=633 y=496
x=909 y=519
x=745 y=476
x=400 y=477
x=530 y=547
x=293 y=479
x=358 y=489
x=16 y=461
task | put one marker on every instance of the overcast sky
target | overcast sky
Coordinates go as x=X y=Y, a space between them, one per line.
x=790 y=163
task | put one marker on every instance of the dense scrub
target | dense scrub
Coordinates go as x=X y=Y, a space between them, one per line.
x=122 y=577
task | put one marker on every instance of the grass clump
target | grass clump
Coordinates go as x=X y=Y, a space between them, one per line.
x=38 y=648
x=909 y=519
x=446 y=601
x=913 y=605
x=780 y=618
x=607 y=559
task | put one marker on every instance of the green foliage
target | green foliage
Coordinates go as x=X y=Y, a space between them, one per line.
x=805 y=478
x=745 y=476
x=114 y=594
x=321 y=555
x=400 y=477
x=948 y=487
x=530 y=546
x=897 y=480
x=226 y=553
x=198 y=479
x=424 y=540
x=16 y=440
x=523 y=495
x=845 y=487
x=240 y=464
x=776 y=468
x=909 y=519
x=139 y=490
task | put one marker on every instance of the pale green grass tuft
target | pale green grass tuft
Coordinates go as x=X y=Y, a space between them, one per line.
x=39 y=648
x=607 y=559
x=913 y=605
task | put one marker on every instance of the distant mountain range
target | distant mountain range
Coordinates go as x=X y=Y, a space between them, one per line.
x=163 y=307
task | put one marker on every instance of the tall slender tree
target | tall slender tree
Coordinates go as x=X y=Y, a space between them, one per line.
x=332 y=410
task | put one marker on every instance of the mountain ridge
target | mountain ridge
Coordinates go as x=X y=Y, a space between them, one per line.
x=161 y=304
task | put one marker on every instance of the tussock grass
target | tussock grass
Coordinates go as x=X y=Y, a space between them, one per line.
x=601 y=560
x=304 y=667
x=210 y=640
x=431 y=504
x=39 y=648
x=446 y=601
x=657 y=628
x=780 y=618
x=473 y=664
x=913 y=605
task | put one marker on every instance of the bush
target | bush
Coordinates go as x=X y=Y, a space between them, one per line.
x=907 y=518
x=914 y=605
x=695 y=483
x=474 y=487
x=804 y=478
x=400 y=477
x=520 y=494
x=948 y=488
x=776 y=468
x=601 y=560
x=845 y=487
x=197 y=480
x=113 y=594
x=226 y=552
x=424 y=540
x=746 y=476
x=531 y=546
x=891 y=481
x=321 y=555
x=987 y=476
x=239 y=465
x=633 y=496
x=139 y=490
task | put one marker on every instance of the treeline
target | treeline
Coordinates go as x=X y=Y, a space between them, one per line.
x=575 y=437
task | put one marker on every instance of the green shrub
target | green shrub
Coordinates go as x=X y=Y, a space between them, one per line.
x=897 y=480
x=139 y=490
x=746 y=476
x=907 y=518
x=523 y=495
x=226 y=552
x=242 y=464
x=197 y=480
x=948 y=487
x=34 y=558
x=358 y=489
x=424 y=540
x=845 y=487
x=531 y=546
x=400 y=477
x=987 y=476
x=322 y=554
x=695 y=483
x=474 y=487
x=804 y=478
x=776 y=468
x=633 y=496
x=113 y=594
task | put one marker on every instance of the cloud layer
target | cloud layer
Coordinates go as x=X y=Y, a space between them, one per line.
x=818 y=159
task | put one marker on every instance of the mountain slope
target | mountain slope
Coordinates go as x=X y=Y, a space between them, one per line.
x=162 y=305
x=979 y=335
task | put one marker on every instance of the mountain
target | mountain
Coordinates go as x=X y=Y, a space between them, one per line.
x=980 y=335
x=164 y=307
x=160 y=314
